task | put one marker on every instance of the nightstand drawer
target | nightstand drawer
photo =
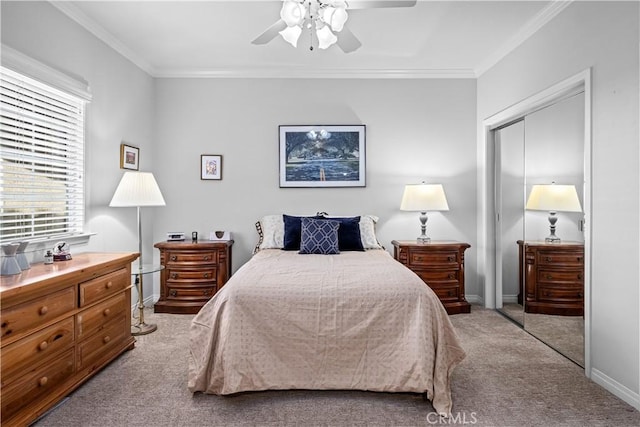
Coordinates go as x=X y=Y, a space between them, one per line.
x=559 y=294
x=195 y=275
x=209 y=257
x=561 y=258
x=190 y=293
x=418 y=258
x=446 y=293
x=564 y=276
x=438 y=276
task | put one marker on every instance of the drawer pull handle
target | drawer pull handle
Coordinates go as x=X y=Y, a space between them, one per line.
x=173 y=293
x=106 y=312
x=43 y=310
x=43 y=346
x=548 y=259
x=106 y=339
x=205 y=292
x=452 y=275
x=174 y=275
x=451 y=258
x=579 y=276
x=207 y=258
x=174 y=258
x=43 y=381
x=549 y=276
x=206 y=275
x=450 y=293
x=109 y=284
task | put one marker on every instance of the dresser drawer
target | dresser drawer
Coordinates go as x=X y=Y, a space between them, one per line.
x=564 y=276
x=190 y=293
x=567 y=294
x=209 y=257
x=431 y=258
x=36 y=347
x=96 y=346
x=36 y=383
x=95 y=318
x=564 y=258
x=103 y=286
x=196 y=275
x=21 y=318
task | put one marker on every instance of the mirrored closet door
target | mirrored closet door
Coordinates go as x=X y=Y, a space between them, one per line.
x=539 y=164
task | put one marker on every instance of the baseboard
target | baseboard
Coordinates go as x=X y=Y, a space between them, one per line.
x=474 y=299
x=511 y=299
x=619 y=390
x=148 y=302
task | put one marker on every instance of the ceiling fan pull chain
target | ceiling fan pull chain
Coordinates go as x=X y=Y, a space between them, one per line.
x=310 y=26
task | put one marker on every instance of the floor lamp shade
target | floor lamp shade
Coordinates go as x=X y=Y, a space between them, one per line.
x=138 y=189
x=424 y=198
x=553 y=198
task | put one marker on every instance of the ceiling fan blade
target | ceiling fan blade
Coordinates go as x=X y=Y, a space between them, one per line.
x=270 y=33
x=347 y=41
x=375 y=4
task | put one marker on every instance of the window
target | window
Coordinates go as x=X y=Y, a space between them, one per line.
x=41 y=159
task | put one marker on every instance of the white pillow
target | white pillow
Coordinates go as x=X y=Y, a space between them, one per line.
x=273 y=232
x=368 y=232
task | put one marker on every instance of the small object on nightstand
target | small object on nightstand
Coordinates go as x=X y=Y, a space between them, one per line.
x=441 y=266
x=194 y=236
x=175 y=236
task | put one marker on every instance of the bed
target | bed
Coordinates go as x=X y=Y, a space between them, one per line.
x=354 y=320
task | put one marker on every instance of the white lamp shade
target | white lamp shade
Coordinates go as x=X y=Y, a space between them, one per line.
x=137 y=189
x=424 y=198
x=554 y=198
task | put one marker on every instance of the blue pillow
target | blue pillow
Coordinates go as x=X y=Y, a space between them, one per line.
x=292 y=231
x=348 y=233
x=319 y=236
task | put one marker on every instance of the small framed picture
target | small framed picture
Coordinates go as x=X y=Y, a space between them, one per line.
x=210 y=166
x=129 y=157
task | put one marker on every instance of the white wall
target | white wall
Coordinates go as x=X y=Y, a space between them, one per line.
x=603 y=36
x=415 y=130
x=121 y=111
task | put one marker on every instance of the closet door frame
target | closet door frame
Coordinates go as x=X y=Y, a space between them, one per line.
x=486 y=185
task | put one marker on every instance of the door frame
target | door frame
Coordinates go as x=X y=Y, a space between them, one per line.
x=486 y=189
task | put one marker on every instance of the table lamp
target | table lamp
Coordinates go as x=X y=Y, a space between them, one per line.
x=553 y=198
x=138 y=189
x=423 y=198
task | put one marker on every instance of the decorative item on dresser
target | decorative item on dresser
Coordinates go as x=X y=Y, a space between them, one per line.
x=61 y=324
x=552 y=277
x=441 y=266
x=193 y=273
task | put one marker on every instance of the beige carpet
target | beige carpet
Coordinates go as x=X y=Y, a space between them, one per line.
x=508 y=379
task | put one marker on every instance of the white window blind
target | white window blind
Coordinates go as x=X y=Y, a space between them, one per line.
x=42 y=159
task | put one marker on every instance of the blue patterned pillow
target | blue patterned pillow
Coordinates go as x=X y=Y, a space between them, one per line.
x=319 y=236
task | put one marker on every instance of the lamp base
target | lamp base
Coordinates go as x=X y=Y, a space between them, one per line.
x=552 y=239
x=143 y=328
x=423 y=239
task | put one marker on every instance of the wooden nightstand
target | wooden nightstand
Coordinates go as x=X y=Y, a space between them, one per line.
x=193 y=273
x=441 y=266
x=552 y=277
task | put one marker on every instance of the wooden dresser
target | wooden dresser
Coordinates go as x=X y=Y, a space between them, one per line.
x=441 y=266
x=552 y=277
x=61 y=323
x=193 y=273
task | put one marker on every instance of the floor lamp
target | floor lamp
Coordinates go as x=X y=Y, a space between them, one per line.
x=138 y=189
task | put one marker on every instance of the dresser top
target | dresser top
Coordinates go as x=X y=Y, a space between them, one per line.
x=433 y=243
x=83 y=265
x=188 y=244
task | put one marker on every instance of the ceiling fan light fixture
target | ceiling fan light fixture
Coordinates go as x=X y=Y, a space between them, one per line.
x=325 y=37
x=293 y=12
x=291 y=35
x=336 y=17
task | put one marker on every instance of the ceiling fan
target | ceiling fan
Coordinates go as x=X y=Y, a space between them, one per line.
x=322 y=18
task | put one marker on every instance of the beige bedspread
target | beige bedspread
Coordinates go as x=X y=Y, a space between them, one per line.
x=357 y=320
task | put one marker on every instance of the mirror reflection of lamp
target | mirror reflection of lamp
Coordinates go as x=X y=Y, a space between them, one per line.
x=424 y=198
x=553 y=198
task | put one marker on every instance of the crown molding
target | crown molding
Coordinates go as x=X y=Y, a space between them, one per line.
x=303 y=73
x=97 y=30
x=529 y=29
